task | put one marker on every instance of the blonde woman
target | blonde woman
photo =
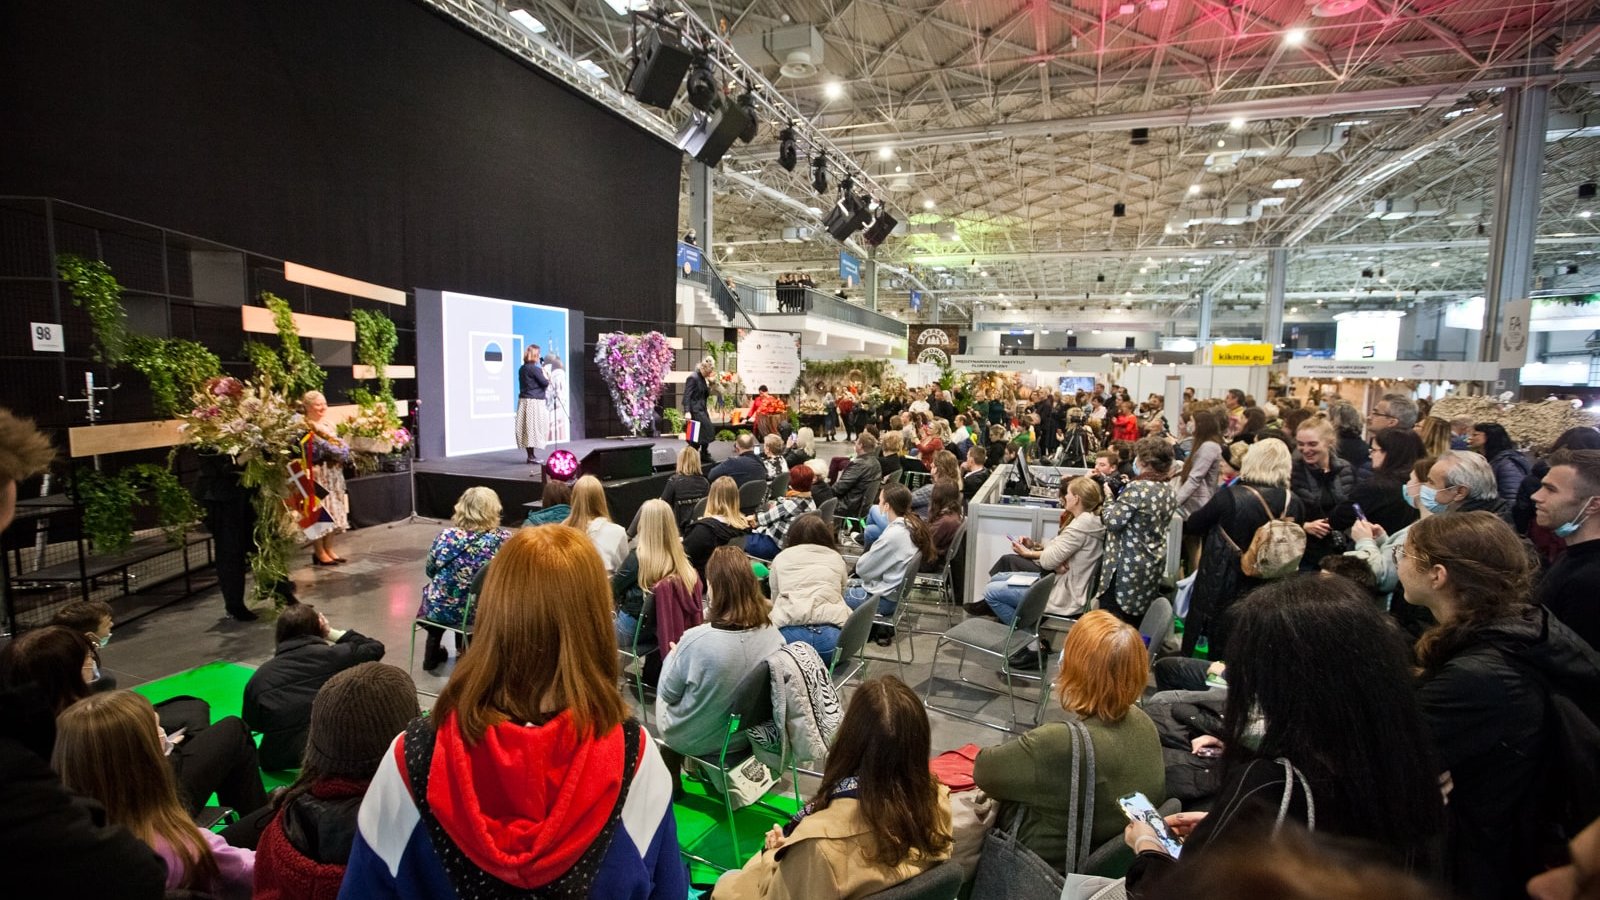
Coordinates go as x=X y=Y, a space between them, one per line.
x=110 y=748
x=533 y=410
x=592 y=516
x=722 y=523
x=658 y=556
x=1072 y=555
x=686 y=488
x=1435 y=434
x=328 y=455
x=455 y=558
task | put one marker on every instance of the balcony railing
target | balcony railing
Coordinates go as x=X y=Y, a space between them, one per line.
x=802 y=301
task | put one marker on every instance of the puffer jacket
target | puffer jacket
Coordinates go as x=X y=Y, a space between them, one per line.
x=1510 y=468
x=1320 y=493
x=1485 y=707
x=807 y=583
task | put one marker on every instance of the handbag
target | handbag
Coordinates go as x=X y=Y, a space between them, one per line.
x=1007 y=870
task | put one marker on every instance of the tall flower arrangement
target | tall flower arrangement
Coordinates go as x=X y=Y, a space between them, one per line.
x=256 y=428
x=635 y=367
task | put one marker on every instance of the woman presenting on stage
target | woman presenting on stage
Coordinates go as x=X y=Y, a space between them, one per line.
x=328 y=456
x=533 y=414
x=560 y=420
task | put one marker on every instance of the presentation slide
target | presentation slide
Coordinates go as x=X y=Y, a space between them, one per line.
x=483 y=339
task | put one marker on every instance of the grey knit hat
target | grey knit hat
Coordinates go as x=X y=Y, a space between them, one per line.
x=354 y=718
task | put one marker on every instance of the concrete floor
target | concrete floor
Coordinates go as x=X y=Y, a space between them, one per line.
x=377 y=593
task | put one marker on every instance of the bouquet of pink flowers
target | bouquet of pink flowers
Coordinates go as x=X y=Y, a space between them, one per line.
x=241 y=420
x=635 y=367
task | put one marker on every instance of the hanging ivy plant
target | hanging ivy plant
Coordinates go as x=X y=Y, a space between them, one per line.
x=300 y=370
x=109 y=502
x=175 y=368
x=95 y=289
x=376 y=340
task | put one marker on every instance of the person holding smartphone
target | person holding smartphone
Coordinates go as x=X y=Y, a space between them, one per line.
x=1320 y=713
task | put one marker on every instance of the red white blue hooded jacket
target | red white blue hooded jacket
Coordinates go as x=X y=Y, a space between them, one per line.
x=524 y=805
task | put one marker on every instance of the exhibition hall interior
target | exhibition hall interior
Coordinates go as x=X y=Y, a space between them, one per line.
x=804 y=449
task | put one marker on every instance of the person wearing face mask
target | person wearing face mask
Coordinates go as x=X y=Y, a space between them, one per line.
x=1458 y=481
x=1320 y=728
x=1488 y=669
x=92 y=619
x=1568 y=503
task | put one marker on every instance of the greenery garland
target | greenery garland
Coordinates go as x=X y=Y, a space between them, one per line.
x=872 y=371
x=95 y=289
x=376 y=340
x=109 y=502
x=175 y=368
x=300 y=370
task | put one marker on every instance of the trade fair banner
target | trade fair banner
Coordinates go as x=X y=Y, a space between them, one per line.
x=849 y=269
x=688 y=257
x=1419 y=370
x=932 y=345
x=1241 y=354
x=771 y=358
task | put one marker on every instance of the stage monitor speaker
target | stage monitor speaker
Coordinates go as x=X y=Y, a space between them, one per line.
x=612 y=463
x=708 y=137
x=660 y=67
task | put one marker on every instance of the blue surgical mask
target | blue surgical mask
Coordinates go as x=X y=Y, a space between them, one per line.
x=1571 y=528
x=1430 y=500
x=1405 y=494
x=1136 y=470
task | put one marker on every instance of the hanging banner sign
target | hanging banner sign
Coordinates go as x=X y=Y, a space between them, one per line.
x=1423 y=370
x=932 y=345
x=1514 y=334
x=849 y=269
x=1241 y=354
x=688 y=257
x=771 y=358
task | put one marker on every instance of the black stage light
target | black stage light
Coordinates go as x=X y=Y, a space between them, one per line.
x=1100 y=278
x=819 y=173
x=659 y=63
x=847 y=184
x=1118 y=210
x=788 y=151
x=1366 y=273
x=847 y=216
x=1586 y=190
x=747 y=103
x=880 y=228
x=702 y=83
x=1139 y=137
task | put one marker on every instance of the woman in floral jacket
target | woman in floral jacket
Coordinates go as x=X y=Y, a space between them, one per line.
x=1136 y=524
x=457 y=555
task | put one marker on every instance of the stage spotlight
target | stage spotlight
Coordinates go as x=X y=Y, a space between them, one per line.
x=1139 y=137
x=659 y=63
x=788 y=150
x=819 y=173
x=1366 y=273
x=1118 y=210
x=561 y=465
x=847 y=184
x=702 y=83
x=1586 y=191
x=747 y=103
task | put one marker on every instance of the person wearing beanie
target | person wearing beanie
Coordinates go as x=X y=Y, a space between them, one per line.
x=303 y=851
x=278 y=697
x=770 y=525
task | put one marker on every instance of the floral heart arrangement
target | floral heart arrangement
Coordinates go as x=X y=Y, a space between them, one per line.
x=635 y=367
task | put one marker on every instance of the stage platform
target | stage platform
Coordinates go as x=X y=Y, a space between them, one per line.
x=439 y=482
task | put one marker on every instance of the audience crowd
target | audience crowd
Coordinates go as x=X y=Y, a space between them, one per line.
x=1385 y=682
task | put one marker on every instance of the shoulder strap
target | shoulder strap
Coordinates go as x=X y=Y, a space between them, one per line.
x=1263 y=501
x=1079 y=847
x=1291 y=776
x=470 y=881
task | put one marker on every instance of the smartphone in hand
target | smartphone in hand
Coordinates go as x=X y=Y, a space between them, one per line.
x=1137 y=808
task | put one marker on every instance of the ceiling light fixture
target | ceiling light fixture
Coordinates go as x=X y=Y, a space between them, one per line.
x=592 y=68
x=702 y=85
x=819 y=173
x=886 y=153
x=927 y=204
x=526 y=20
x=788 y=149
x=1294 y=37
x=833 y=90
x=1238 y=123
x=1287 y=184
x=1194 y=188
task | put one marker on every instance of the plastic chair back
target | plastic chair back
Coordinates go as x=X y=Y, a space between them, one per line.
x=779 y=486
x=1155 y=625
x=827 y=509
x=942 y=882
x=1033 y=604
x=853 y=636
x=752 y=699
x=751 y=495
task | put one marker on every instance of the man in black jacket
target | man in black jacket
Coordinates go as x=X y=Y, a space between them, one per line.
x=858 y=485
x=743 y=466
x=277 y=699
x=1568 y=503
x=941 y=407
x=53 y=843
x=696 y=391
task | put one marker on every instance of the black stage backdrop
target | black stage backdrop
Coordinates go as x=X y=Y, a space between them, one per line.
x=371 y=138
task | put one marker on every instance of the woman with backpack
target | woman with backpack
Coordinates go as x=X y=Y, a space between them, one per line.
x=1227 y=525
x=1488 y=670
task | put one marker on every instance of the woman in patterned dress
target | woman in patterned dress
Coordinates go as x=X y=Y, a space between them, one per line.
x=328 y=469
x=560 y=408
x=1137 y=523
x=453 y=561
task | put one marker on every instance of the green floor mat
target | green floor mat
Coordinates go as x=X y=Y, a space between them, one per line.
x=220 y=684
x=703 y=831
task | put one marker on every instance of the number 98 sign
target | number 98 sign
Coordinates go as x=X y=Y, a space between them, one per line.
x=47 y=337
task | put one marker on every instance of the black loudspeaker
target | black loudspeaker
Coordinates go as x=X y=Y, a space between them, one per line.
x=611 y=463
x=660 y=67
x=710 y=140
x=880 y=228
x=1586 y=191
x=847 y=216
